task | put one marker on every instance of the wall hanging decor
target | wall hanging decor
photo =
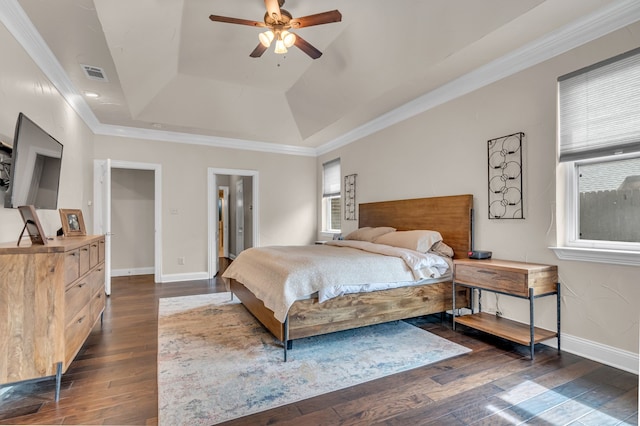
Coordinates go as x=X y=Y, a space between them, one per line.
x=505 y=177
x=350 y=197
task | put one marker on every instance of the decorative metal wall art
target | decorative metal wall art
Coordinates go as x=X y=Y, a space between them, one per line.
x=505 y=177
x=350 y=197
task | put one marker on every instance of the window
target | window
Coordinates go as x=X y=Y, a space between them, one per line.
x=331 y=197
x=599 y=133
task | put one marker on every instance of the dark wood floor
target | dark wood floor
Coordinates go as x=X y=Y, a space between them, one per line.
x=113 y=380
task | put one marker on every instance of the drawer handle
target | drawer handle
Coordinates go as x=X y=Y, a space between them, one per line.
x=81 y=319
x=72 y=253
x=85 y=249
x=486 y=272
x=81 y=285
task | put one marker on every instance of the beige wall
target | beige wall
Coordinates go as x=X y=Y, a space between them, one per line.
x=285 y=194
x=24 y=88
x=444 y=151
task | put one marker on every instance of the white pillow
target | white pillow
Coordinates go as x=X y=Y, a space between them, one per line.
x=368 y=233
x=418 y=240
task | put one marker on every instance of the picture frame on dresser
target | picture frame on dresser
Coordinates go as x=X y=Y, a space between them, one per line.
x=31 y=225
x=72 y=223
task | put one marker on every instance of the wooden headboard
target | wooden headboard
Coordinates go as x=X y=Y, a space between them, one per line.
x=449 y=215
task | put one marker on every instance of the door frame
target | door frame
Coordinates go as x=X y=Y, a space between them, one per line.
x=212 y=212
x=239 y=228
x=100 y=213
x=225 y=218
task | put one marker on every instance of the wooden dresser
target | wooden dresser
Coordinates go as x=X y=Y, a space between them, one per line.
x=51 y=296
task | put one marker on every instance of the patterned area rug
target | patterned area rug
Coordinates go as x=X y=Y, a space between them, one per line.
x=217 y=363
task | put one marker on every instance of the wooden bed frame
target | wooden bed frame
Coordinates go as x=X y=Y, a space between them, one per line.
x=449 y=215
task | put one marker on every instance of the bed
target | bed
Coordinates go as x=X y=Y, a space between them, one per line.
x=451 y=216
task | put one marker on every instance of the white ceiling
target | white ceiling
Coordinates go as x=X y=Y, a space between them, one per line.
x=174 y=74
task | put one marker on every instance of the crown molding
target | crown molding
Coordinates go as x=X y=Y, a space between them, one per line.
x=610 y=18
x=195 y=139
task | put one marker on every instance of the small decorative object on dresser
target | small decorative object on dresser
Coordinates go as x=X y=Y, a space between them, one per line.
x=31 y=225
x=516 y=279
x=72 y=223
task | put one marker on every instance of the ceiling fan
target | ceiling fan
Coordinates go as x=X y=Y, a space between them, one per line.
x=279 y=22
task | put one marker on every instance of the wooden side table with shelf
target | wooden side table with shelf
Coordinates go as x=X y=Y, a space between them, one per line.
x=517 y=279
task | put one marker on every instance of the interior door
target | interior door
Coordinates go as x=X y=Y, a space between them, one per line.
x=239 y=216
x=102 y=213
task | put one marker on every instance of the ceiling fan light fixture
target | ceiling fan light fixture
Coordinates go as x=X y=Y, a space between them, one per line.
x=266 y=38
x=280 y=47
x=288 y=38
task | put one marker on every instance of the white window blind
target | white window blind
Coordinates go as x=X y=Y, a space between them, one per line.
x=599 y=109
x=331 y=178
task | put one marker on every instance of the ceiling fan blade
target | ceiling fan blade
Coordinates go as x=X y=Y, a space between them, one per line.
x=218 y=18
x=317 y=19
x=273 y=9
x=258 y=51
x=307 y=48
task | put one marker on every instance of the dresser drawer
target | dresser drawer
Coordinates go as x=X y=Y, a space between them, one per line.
x=84 y=259
x=97 y=304
x=76 y=332
x=94 y=254
x=71 y=266
x=101 y=248
x=76 y=298
x=96 y=279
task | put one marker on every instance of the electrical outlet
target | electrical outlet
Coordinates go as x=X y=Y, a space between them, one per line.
x=181 y=261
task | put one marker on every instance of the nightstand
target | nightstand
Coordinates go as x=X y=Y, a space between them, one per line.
x=517 y=279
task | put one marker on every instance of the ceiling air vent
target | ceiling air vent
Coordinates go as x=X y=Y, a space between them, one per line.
x=94 y=73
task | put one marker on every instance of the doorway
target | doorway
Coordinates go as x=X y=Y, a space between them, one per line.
x=229 y=178
x=132 y=227
x=102 y=223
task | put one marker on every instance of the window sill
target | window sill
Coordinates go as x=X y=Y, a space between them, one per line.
x=616 y=257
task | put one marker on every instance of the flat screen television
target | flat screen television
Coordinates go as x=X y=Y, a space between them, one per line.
x=36 y=160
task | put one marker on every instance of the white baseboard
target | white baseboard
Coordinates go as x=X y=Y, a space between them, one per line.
x=608 y=355
x=192 y=276
x=133 y=271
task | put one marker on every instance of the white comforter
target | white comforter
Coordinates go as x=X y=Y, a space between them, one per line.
x=280 y=275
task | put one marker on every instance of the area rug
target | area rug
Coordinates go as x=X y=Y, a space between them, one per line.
x=217 y=363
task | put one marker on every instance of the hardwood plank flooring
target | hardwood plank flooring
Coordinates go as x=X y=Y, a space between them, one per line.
x=113 y=380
